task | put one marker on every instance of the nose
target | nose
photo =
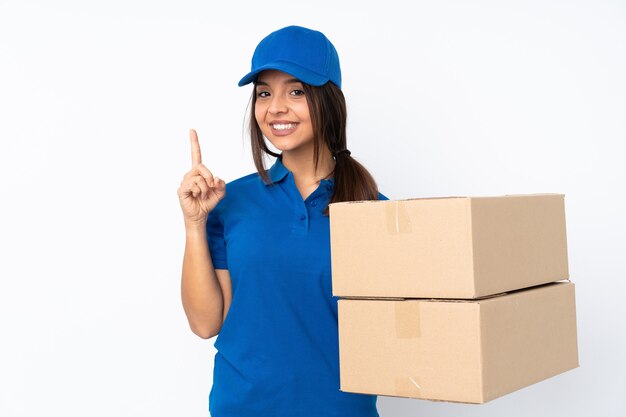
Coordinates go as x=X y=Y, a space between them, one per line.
x=277 y=105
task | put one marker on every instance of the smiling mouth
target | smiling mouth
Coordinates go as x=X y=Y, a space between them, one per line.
x=283 y=126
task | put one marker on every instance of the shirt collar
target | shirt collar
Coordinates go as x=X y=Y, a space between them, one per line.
x=278 y=171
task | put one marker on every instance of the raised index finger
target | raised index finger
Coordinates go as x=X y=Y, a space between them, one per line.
x=196 y=157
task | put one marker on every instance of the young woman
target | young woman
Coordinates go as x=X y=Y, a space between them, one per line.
x=256 y=268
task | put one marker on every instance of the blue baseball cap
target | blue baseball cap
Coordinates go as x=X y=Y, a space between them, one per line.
x=306 y=54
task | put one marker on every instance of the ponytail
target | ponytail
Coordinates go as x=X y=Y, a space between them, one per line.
x=353 y=182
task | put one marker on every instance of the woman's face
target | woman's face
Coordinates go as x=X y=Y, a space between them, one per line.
x=282 y=111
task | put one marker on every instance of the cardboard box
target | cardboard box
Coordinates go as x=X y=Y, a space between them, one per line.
x=455 y=247
x=467 y=351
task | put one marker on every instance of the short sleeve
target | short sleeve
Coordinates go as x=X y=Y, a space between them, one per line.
x=215 y=238
x=381 y=196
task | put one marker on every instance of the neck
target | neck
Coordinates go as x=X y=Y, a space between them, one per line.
x=302 y=165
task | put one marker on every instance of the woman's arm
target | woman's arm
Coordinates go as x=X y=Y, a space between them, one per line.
x=206 y=292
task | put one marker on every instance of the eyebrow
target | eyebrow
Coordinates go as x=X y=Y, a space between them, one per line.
x=289 y=81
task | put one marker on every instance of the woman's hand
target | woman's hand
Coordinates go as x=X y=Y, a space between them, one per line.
x=199 y=191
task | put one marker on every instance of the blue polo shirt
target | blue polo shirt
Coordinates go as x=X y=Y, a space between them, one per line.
x=277 y=351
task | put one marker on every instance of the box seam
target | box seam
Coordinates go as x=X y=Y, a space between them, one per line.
x=472 y=257
x=481 y=357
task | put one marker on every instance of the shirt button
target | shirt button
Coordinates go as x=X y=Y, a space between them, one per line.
x=303 y=217
x=314 y=203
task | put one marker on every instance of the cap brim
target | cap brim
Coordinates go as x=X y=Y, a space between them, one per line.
x=298 y=72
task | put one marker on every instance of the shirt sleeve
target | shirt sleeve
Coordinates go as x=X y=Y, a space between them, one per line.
x=381 y=196
x=215 y=238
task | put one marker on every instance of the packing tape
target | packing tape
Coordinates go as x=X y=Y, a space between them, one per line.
x=408 y=327
x=408 y=387
x=407 y=319
x=398 y=220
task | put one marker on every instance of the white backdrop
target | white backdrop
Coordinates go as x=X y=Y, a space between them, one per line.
x=445 y=98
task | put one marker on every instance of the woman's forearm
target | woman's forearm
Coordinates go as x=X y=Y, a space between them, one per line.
x=201 y=293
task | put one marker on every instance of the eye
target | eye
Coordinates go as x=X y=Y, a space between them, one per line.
x=297 y=92
x=262 y=94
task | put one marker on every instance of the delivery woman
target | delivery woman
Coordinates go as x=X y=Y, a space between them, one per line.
x=256 y=269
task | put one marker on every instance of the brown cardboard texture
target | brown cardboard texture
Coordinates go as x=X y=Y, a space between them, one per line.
x=468 y=351
x=456 y=247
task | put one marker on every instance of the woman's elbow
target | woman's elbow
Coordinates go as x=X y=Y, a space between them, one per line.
x=204 y=332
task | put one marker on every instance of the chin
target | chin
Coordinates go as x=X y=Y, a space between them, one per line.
x=282 y=146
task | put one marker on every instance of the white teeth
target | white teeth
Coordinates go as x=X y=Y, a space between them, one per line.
x=284 y=126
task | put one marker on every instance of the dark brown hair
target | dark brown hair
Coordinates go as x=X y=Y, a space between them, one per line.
x=327 y=106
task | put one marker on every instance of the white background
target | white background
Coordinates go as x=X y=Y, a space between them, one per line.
x=445 y=98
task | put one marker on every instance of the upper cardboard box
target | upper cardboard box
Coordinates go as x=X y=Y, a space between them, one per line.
x=455 y=247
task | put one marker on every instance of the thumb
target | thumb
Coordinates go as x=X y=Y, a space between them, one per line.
x=220 y=187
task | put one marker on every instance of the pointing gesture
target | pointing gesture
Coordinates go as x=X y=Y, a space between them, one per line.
x=199 y=191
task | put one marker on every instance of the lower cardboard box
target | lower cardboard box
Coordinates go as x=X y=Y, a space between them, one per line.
x=470 y=351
